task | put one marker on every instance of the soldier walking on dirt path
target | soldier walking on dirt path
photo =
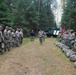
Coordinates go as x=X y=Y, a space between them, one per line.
x=40 y=35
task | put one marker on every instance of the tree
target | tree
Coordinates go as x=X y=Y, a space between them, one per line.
x=4 y=13
x=27 y=14
x=46 y=17
x=69 y=15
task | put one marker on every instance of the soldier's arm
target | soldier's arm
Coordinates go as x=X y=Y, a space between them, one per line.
x=2 y=36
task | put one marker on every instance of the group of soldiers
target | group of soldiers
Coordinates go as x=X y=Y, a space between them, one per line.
x=41 y=35
x=10 y=38
x=68 y=37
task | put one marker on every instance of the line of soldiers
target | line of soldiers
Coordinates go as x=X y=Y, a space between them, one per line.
x=10 y=38
x=68 y=37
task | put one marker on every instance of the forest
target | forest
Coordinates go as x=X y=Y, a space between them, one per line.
x=35 y=14
x=26 y=14
x=69 y=15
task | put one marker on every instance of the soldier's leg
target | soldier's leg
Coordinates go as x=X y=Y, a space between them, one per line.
x=5 y=46
x=17 y=42
x=40 y=39
x=43 y=38
x=13 y=44
x=8 y=45
x=33 y=38
x=1 y=47
x=21 y=40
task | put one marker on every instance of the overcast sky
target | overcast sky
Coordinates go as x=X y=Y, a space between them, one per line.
x=57 y=11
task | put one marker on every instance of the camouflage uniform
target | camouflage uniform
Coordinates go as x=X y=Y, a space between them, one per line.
x=71 y=39
x=1 y=39
x=10 y=37
x=17 y=37
x=72 y=36
x=21 y=36
x=6 y=39
x=13 y=38
x=40 y=34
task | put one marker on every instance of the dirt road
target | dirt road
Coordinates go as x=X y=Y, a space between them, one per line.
x=36 y=59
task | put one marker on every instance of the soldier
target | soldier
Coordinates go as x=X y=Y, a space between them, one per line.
x=1 y=39
x=21 y=35
x=64 y=37
x=40 y=34
x=18 y=36
x=13 y=37
x=71 y=39
x=10 y=37
x=72 y=35
x=6 y=38
x=32 y=34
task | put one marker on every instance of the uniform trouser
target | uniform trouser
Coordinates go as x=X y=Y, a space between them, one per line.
x=41 y=40
x=10 y=42
x=0 y=46
x=32 y=38
x=21 y=40
x=17 y=41
x=7 y=44
x=13 y=42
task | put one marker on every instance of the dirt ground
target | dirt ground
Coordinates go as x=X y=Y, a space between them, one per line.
x=35 y=59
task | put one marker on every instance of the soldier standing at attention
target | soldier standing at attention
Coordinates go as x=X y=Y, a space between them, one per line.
x=21 y=35
x=10 y=36
x=13 y=37
x=18 y=35
x=6 y=38
x=1 y=39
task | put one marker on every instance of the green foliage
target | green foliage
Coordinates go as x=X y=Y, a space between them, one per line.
x=69 y=15
x=26 y=14
x=46 y=15
x=4 y=13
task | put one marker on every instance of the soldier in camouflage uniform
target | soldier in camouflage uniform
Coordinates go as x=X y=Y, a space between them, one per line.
x=13 y=37
x=10 y=37
x=40 y=34
x=1 y=39
x=21 y=35
x=6 y=39
x=18 y=36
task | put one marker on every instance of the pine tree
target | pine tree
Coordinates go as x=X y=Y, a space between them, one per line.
x=4 y=13
x=69 y=15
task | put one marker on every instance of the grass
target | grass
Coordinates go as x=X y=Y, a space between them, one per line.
x=27 y=40
x=46 y=59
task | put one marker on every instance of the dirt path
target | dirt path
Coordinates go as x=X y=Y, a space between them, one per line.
x=36 y=59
